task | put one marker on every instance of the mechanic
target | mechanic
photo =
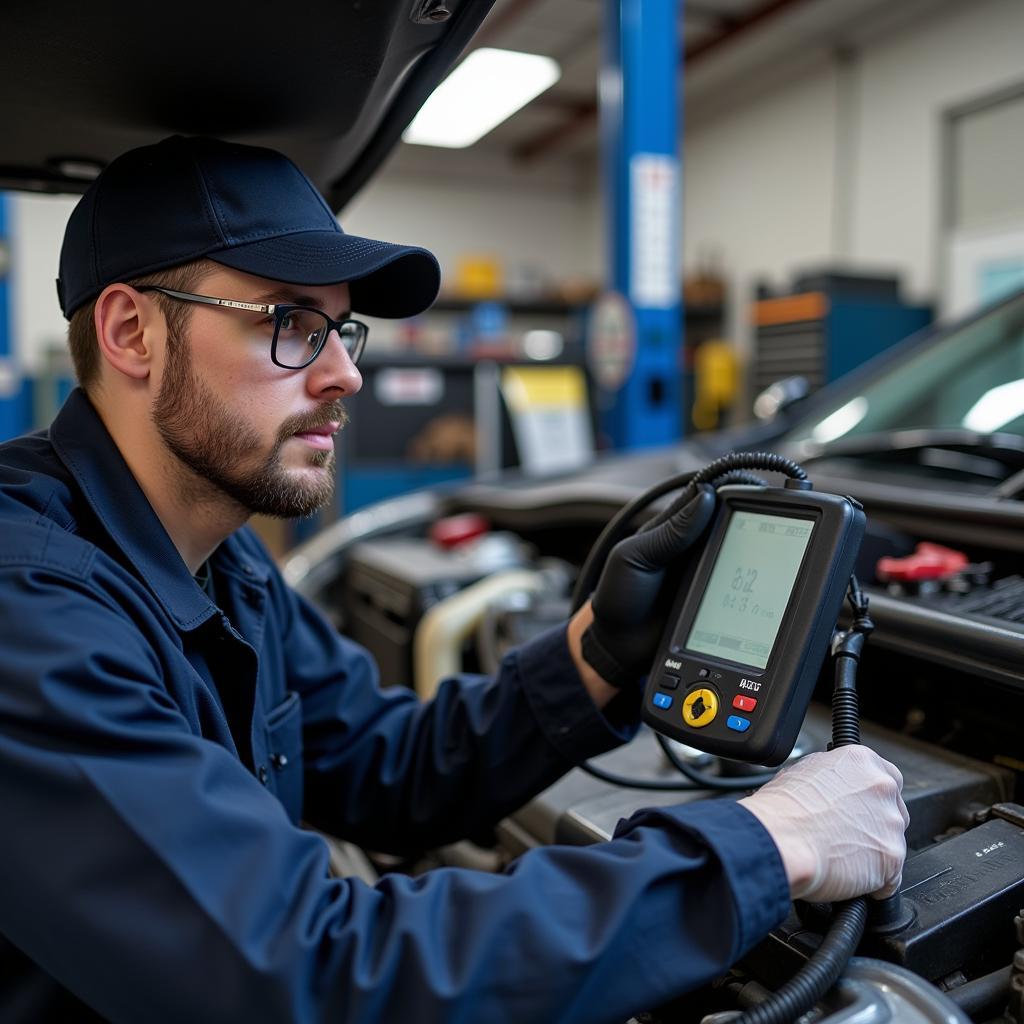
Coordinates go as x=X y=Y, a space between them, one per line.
x=171 y=710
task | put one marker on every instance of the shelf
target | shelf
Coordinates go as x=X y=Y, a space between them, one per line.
x=537 y=307
x=554 y=307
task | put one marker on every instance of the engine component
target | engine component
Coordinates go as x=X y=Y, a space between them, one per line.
x=962 y=894
x=928 y=562
x=880 y=992
x=941 y=789
x=445 y=627
x=389 y=585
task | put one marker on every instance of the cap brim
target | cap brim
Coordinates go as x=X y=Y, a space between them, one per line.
x=387 y=280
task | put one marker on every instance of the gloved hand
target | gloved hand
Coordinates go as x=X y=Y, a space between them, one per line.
x=634 y=593
x=838 y=820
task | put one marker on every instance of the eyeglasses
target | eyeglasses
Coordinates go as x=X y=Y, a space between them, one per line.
x=300 y=332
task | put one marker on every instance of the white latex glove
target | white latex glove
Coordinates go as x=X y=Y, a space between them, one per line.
x=838 y=820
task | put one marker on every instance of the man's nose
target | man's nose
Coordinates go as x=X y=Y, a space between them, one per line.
x=333 y=372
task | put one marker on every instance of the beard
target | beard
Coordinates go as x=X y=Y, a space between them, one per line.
x=217 y=444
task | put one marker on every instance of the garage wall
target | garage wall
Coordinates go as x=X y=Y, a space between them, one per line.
x=542 y=228
x=36 y=231
x=758 y=187
x=906 y=82
x=844 y=163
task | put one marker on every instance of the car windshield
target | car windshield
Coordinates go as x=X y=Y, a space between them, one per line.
x=970 y=379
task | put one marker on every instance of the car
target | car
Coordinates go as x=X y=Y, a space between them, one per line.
x=928 y=438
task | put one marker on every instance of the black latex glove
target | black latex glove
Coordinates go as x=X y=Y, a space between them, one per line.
x=637 y=588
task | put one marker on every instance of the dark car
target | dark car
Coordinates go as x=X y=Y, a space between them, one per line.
x=928 y=437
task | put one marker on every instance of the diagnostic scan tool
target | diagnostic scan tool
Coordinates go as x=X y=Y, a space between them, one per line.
x=748 y=634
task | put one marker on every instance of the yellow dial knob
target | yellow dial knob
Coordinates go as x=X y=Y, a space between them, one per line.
x=700 y=707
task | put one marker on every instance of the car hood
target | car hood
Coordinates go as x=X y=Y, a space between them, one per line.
x=330 y=84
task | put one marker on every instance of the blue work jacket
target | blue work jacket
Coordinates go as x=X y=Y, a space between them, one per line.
x=157 y=751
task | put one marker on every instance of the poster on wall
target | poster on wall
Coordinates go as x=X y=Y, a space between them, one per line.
x=983 y=267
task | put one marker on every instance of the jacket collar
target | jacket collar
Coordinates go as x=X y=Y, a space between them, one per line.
x=83 y=444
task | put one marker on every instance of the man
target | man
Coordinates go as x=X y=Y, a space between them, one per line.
x=170 y=709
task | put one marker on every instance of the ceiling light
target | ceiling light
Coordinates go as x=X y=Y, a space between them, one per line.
x=486 y=88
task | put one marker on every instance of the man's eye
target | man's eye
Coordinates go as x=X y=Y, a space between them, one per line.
x=288 y=322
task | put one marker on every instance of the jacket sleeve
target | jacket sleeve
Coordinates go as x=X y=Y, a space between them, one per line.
x=148 y=872
x=391 y=772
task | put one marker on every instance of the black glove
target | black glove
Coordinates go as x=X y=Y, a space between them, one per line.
x=636 y=590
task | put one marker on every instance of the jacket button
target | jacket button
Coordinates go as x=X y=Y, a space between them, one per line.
x=279 y=761
x=263 y=775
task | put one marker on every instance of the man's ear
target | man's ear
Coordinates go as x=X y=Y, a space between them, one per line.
x=127 y=325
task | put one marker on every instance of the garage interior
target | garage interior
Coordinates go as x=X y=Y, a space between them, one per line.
x=834 y=196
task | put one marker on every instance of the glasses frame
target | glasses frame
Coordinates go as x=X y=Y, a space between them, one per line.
x=278 y=311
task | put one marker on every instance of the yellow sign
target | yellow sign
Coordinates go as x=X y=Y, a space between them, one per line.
x=550 y=419
x=544 y=387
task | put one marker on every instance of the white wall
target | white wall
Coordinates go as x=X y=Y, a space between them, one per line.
x=906 y=82
x=758 y=187
x=843 y=163
x=454 y=219
x=36 y=231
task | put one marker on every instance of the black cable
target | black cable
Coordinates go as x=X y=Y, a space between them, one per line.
x=825 y=965
x=818 y=974
x=616 y=528
x=630 y=783
x=619 y=525
x=698 y=779
x=704 y=781
x=739 y=476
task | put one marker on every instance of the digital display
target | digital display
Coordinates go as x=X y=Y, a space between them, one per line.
x=749 y=587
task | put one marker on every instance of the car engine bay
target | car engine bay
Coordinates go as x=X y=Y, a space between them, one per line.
x=448 y=580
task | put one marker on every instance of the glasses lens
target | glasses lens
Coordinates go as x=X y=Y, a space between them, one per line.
x=300 y=333
x=353 y=337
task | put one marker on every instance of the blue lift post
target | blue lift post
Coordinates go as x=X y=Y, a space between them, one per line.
x=640 y=129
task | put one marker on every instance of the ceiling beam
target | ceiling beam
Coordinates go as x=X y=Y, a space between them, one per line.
x=741 y=26
x=500 y=21
x=584 y=115
x=699 y=12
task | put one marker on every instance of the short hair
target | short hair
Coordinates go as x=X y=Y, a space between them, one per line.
x=82 y=341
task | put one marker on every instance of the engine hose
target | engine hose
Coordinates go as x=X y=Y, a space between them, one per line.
x=829 y=960
x=820 y=972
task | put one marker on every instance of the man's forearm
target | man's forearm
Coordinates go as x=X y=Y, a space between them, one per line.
x=600 y=691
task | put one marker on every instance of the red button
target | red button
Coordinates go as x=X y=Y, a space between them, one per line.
x=744 y=703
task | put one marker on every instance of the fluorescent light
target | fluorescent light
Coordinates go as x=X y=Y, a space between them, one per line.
x=842 y=421
x=997 y=407
x=486 y=88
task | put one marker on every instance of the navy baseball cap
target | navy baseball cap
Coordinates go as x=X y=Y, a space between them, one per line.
x=245 y=207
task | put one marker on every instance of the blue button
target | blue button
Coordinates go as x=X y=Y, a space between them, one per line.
x=737 y=723
x=663 y=700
